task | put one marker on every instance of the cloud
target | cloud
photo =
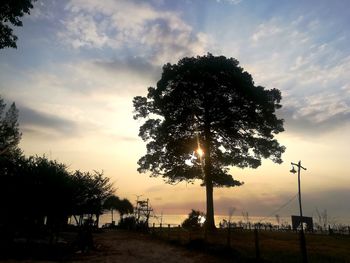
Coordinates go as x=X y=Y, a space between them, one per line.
x=34 y=121
x=100 y=78
x=235 y=2
x=309 y=69
x=131 y=65
x=157 y=34
x=42 y=10
x=266 y=31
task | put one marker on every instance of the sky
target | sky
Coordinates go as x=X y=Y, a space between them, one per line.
x=79 y=63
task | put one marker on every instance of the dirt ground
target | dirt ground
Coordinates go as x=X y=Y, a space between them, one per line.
x=129 y=247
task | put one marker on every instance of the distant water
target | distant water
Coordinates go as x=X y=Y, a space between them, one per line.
x=175 y=220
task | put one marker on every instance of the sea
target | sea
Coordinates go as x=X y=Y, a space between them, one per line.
x=176 y=219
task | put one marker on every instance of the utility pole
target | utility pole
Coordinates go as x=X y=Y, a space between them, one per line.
x=302 y=234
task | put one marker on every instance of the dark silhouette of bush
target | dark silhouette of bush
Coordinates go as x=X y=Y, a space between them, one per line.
x=194 y=220
x=128 y=223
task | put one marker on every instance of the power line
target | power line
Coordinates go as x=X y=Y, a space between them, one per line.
x=281 y=207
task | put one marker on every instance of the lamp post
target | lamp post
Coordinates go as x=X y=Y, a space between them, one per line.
x=302 y=235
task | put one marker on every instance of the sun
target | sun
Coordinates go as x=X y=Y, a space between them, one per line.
x=200 y=152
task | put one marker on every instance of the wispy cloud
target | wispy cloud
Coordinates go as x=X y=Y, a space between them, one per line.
x=34 y=121
x=235 y=2
x=131 y=65
x=159 y=35
x=309 y=69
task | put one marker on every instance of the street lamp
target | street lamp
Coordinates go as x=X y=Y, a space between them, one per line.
x=302 y=236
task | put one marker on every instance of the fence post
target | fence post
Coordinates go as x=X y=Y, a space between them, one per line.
x=330 y=230
x=153 y=229
x=168 y=231
x=229 y=235
x=257 y=247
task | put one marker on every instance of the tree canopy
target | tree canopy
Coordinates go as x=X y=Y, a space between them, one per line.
x=35 y=187
x=123 y=206
x=10 y=13
x=211 y=104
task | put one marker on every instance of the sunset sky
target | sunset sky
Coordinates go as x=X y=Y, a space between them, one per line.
x=79 y=63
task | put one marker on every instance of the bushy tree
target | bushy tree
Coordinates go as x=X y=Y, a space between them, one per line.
x=90 y=192
x=10 y=13
x=194 y=220
x=125 y=207
x=111 y=203
x=122 y=206
x=210 y=104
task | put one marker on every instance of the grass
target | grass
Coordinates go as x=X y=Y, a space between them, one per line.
x=274 y=246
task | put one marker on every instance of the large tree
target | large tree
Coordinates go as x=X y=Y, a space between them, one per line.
x=210 y=104
x=10 y=13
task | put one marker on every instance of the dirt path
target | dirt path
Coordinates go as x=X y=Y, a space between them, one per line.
x=128 y=247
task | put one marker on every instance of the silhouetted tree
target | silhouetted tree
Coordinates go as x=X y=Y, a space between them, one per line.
x=9 y=131
x=122 y=206
x=194 y=220
x=125 y=207
x=10 y=13
x=49 y=192
x=111 y=203
x=210 y=103
x=31 y=190
x=90 y=192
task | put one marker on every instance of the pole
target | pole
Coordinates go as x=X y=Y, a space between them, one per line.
x=302 y=234
x=299 y=192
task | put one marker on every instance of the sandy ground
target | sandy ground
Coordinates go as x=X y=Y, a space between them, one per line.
x=126 y=247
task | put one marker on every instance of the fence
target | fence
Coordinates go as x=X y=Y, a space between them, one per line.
x=254 y=240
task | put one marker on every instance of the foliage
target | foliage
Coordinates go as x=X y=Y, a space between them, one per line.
x=111 y=203
x=210 y=103
x=125 y=207
x=194 y=220
x=128 y=222
x=10 y=13
x=122 y=206
x=9 y=131
x=38 y=187
x=90 y=192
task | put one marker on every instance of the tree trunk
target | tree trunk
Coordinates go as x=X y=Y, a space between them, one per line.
x=97 y=219
x=210 y=222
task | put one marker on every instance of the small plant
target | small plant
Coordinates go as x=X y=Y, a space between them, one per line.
x=195 y=219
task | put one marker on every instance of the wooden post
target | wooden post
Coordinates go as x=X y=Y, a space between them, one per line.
x=168 y=231
x=303 y=246
x=229 y=235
